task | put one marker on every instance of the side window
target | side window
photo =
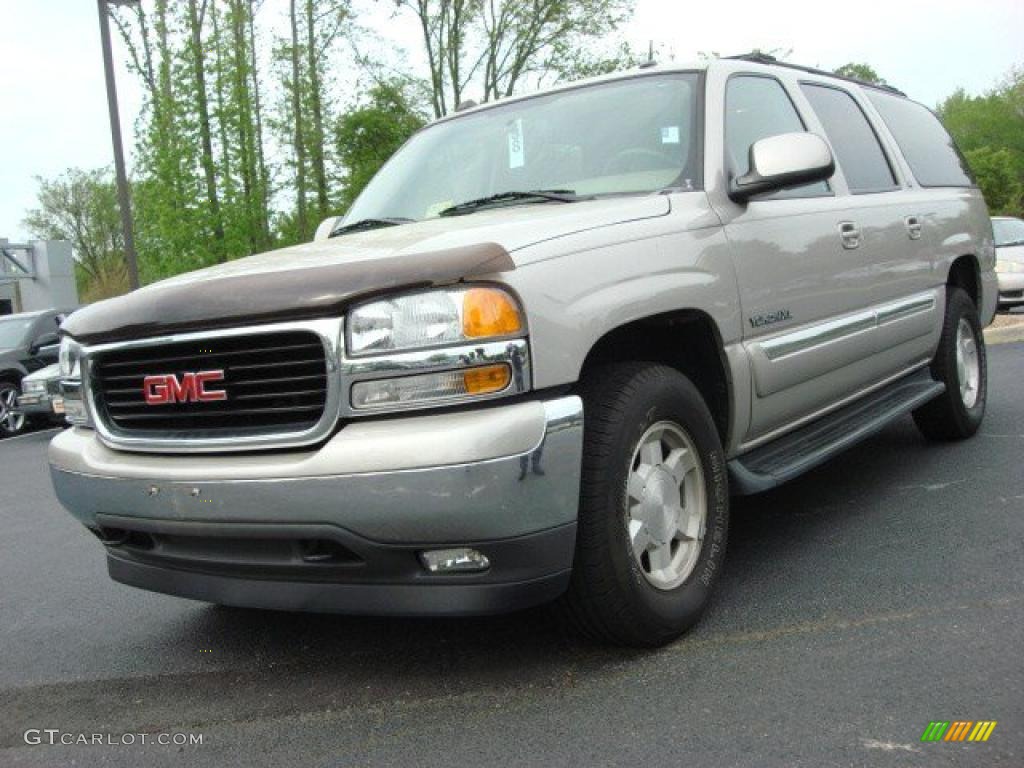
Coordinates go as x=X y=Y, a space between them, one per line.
x=929 y=149
x=755 y=108
x=854 y=142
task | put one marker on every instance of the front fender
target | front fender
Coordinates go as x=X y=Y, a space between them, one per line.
x=575 y=299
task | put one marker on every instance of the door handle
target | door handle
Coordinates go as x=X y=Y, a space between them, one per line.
x=849 y=234
x=913 y=227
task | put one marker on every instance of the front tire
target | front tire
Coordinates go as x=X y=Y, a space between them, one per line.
x=654 y=507
x=961 y=363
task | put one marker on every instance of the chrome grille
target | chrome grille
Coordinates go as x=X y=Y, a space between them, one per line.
x=275 y=383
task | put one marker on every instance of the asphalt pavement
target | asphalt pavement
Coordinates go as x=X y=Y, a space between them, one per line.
x=860 y=602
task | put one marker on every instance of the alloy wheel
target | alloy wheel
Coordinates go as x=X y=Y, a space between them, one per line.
x=666 y=505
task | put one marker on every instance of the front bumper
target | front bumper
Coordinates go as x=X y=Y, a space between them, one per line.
x=341 y=528
x=34 y=404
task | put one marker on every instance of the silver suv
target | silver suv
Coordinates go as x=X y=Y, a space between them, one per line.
x=540 y=351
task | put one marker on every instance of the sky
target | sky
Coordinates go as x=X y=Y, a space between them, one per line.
x=53 y=112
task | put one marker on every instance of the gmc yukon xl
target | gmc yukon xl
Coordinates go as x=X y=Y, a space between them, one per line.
x=540 y=351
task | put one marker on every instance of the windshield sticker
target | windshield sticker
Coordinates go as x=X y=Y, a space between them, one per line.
x=516 y=152
x=670 y=134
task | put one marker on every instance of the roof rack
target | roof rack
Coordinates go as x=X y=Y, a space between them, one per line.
x=764 y=58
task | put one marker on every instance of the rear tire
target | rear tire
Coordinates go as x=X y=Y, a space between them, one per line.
x=961 y=364
x=654 y=507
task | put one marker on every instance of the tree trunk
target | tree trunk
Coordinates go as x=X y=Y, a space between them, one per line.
x=316 y=144
x=243 y=111
x=301 y=224
x=195 y=28
x=261 y=160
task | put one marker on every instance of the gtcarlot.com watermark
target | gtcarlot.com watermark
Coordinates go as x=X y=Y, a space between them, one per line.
x=34 y=736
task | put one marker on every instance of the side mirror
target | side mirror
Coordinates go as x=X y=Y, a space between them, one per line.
x=45 y=346
x=784 y=161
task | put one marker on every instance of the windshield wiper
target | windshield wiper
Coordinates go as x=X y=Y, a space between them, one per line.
x=366 y=224
x=538 y=195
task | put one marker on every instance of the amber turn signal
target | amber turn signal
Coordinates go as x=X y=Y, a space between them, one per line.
x=489 y=312
x=489 y=378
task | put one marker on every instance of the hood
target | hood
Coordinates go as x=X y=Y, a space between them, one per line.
x=1010 y=253
x=322 y=278
x=44 y=374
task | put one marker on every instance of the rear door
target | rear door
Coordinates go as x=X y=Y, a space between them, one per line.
x=892 y=228
x=805 y=269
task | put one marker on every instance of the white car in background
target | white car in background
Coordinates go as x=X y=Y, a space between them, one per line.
x=1009 y=234
x=41 y=397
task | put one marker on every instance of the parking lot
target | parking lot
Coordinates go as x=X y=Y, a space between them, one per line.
x=874 y=595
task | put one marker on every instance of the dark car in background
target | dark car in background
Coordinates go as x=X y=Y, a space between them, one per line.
x=28 y=342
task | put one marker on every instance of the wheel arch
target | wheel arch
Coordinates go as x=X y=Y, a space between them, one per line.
x=965 y=273
x=687 y=340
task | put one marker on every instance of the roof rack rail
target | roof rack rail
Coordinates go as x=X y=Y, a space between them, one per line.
x=764 y=58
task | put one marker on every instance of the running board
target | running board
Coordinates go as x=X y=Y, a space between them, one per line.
x=796 y=452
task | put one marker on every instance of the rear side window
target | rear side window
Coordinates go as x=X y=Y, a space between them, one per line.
x=858 y=152
x=757 y=108
x=929 y=149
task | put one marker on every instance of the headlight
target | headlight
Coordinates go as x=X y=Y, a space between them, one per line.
x=67 y=359
x=1005 y=267
x=433 y=319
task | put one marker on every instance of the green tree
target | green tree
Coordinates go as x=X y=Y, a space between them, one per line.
x=989 y=129
x=995 y=171
x=304 y=109
x=80 y=206
x=864 y=72
x=368 y=135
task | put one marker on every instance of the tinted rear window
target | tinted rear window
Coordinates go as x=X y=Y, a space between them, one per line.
x=857 y=149
x=929 y=149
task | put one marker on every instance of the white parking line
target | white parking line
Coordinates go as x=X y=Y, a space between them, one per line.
x=29 y=434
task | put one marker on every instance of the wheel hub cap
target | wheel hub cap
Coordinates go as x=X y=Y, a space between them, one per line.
x=968 y=365
x=666 y=505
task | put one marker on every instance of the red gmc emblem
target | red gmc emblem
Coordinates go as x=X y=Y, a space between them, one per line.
x=191 y=388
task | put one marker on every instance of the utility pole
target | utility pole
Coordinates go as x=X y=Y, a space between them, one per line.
x=124 y=200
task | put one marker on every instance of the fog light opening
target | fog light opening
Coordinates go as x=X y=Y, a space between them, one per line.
x=458 y=560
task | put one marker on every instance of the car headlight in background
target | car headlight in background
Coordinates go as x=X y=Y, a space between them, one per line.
x=432 y=319
x=1006 y=267
x=33 y=387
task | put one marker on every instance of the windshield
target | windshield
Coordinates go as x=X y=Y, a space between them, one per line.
x=622 y=137
x=1008 y=231
x=13 y=331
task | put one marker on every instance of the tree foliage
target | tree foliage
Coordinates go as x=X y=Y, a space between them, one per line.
x=81 y=207
x=863 y=72
x=989 y=129
x=368 y=135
